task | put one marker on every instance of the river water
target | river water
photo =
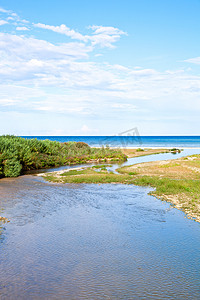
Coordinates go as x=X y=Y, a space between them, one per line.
x=87 y=241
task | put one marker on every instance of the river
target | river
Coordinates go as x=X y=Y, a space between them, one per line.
x=87 y=241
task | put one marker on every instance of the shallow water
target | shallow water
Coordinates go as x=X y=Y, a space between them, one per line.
x=84 y=241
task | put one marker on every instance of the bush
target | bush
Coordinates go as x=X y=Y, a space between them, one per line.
x=139 y=149
x=82 y=145
x=12 y=168
x=18 y=154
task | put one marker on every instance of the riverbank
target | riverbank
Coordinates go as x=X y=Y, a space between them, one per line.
x=137 y=152
x=175 y=181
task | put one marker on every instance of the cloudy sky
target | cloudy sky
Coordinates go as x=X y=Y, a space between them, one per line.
x=99 y=67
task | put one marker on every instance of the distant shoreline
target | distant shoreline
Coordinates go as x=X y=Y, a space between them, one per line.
x=156 y=147
x=130 y=139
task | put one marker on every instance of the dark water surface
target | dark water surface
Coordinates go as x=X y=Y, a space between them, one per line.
x=129 y=138
x=89 y=241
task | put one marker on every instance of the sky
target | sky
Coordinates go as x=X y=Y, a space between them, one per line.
x=99 y=67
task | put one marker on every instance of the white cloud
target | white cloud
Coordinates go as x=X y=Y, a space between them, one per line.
x=63 y=29
x=125 y=106
x=103 y=36
x=13 y=17
x=9 y=12
x=23 y=28
x=25 y=21
x=30 y=61
x=195 y=60
x=85 y=130
x=7 y=102
x=2 y=10
x=2 y=22
x=107 y=30
x=10 y=18
x=44 y=77
x=24 y=48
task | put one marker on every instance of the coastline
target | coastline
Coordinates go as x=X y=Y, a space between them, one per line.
x=154 y=148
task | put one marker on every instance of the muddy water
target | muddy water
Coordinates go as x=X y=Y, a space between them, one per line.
x=94 y=242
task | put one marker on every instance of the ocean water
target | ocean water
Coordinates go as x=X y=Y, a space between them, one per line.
x=128 y=139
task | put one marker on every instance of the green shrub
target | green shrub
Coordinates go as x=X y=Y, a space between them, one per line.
x=139 y=149
x=19 y=154
x=12 y=168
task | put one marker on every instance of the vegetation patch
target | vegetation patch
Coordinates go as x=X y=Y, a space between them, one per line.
x=139 y=150
x=144 y=151
x=18 y=155
x=101 y=166
x=73 y=172
x=175 y=150
x=176 y=181
x=89 y=175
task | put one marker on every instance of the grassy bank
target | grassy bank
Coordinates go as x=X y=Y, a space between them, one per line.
x=148 y=151
x=18 y=155
x=87 y=176
x=176 y=181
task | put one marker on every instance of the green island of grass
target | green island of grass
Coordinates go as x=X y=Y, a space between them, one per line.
x=18 y=155
x=175 y=181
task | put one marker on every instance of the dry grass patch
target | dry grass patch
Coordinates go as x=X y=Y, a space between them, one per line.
x=143 y=152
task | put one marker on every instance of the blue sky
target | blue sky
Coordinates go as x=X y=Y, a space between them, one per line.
x=99 y=67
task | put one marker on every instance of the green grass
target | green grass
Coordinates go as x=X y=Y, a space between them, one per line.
x=101 y=166
x=132 y=173
x=98 y=178
x=171 y=165
x=123 y=170
x=139 y=150
x=88 y=175
x=187 y=192
x=169 y=186
x=52 y=178
x=73 y=172
x=90 y=178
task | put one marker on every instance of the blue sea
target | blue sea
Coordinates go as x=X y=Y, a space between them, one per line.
x=128 y=140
